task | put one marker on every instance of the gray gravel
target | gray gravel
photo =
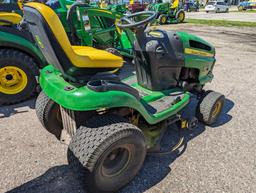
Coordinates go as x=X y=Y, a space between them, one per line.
x=220 y=158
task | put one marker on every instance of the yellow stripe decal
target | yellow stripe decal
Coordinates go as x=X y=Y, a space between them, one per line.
x=197 y=52
x=105 y=11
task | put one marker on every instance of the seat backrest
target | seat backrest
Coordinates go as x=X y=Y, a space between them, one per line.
x=49 y=34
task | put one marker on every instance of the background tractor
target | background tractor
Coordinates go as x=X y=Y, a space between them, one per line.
x=20 y=58
x=168 y=12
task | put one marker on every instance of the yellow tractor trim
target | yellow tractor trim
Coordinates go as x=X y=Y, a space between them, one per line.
x=11 y=17
x=197 y=52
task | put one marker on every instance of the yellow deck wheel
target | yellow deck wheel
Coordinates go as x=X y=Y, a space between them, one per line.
x=13 y=80
x=217 y=109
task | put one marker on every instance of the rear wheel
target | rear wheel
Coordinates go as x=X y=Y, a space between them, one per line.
x=162 y=19
x=106 y=153
x=18 y=74
x=209 y=107
x=48 y=113
x=180 y=17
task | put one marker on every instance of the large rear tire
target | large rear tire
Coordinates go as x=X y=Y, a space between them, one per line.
x=106 y=153
x=210 y=107
x=48 y=113
x=18 y=76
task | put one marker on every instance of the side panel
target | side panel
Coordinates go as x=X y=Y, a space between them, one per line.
x=12 y=41
x=85 y=99
x=200 y=59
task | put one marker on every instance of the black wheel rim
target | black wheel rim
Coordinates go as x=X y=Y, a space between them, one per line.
x=116 y=160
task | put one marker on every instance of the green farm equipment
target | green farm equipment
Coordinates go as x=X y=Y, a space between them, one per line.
x=168 y=12
x=20 y=59
x=117 y=6
x=96 y=27
x=110 y=124
x=92 y=26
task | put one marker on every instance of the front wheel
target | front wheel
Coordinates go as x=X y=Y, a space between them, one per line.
x=162 y=19
x=210 y=107
x=106 y=153
x=18 y=76
x=180 y=16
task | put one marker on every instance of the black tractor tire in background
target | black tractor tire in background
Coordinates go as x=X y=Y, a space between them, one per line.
x=10 y=59
x=106 y=153
x=180 y=16
x=48 y=113
x=210 y=107
x=240 y=8
x=162 y=19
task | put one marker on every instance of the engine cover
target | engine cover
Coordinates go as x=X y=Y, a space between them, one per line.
x=159 y=57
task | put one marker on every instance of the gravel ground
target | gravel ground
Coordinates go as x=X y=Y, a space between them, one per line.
x=220 y=158
x=231 y=16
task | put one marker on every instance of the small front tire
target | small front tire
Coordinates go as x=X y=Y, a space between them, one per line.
x=210 y=107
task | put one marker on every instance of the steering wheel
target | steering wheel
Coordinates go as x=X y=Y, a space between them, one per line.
x=128 y=20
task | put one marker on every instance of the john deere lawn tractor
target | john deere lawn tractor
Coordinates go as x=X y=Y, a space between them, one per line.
x=20 y=59
x=168 y=12
x=110 y=124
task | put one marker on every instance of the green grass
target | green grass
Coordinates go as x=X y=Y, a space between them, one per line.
x=224 y=23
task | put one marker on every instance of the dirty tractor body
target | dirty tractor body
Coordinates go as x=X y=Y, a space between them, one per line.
x=109 y=123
